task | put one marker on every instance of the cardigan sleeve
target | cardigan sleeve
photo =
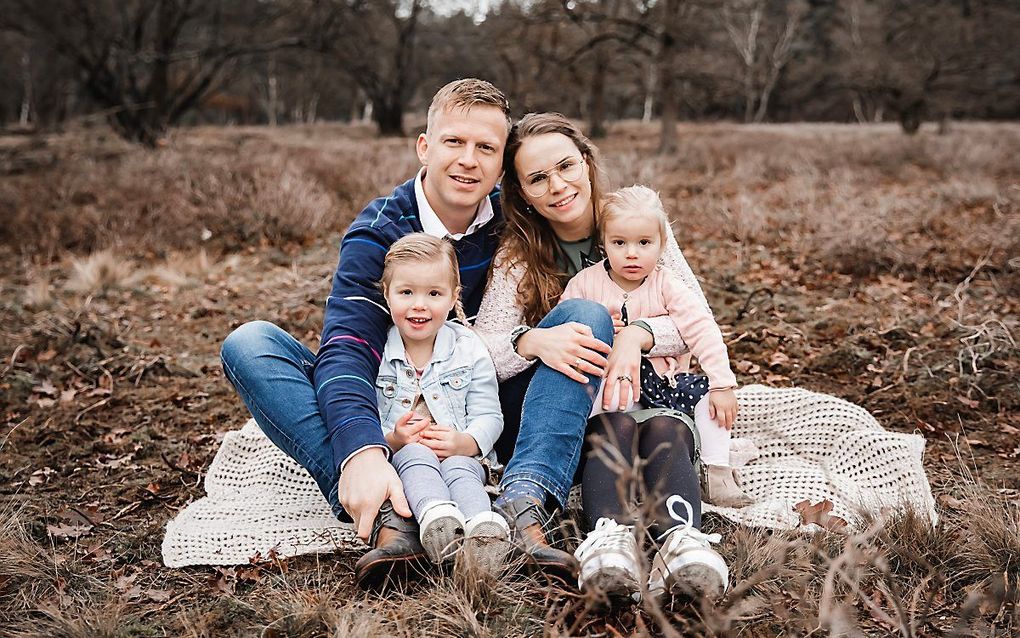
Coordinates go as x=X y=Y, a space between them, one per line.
x=498 y=315
x=700 y=331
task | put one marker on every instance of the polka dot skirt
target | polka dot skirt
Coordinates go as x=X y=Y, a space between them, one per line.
x=657 y=392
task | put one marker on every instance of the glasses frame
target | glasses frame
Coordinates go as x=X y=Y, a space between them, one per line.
x=555 y=170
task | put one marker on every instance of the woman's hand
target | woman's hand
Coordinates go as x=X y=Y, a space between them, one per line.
x=722 y=406
x=569 y=348
x=447 y=442
x=624 y=366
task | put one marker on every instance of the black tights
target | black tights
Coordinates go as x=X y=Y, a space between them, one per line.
x=665 y=447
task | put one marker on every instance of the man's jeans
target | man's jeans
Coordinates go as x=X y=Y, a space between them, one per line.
x=555 y=410
x=271 y=371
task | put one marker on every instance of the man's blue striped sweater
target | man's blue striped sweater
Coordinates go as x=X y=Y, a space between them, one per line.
x=356 y=318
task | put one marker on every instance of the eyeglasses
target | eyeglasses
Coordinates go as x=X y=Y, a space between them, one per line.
x=570 y=170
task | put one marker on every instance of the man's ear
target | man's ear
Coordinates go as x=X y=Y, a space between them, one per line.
x=422 y=147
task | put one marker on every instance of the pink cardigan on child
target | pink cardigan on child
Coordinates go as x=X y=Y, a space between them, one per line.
x=661 y=293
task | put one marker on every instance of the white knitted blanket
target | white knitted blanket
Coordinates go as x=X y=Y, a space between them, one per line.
x=814 y=447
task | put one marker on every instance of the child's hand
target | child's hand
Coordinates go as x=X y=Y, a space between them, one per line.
x=722 y=406
x=446 y=442
x=407 y=429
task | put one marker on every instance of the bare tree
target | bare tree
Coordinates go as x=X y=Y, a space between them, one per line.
x=149 y=62
x=747 y=25
x=375 y=42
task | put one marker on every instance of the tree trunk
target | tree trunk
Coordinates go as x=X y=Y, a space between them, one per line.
x=597 y=97
x=667 y=97
x=911 y=117
x=389 y=117
x=24 y=116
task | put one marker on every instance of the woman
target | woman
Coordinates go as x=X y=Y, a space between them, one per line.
x=551 y=187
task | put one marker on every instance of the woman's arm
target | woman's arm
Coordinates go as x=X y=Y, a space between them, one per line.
x=498 y=315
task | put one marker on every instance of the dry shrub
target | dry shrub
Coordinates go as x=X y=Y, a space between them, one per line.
x=99 y=272
x=22 y=568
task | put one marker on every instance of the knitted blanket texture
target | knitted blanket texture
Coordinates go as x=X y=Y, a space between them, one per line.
x=259 y=503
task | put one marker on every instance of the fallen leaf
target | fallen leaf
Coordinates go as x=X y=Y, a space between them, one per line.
x=818 y=514
x=68 y=395
x=158 y=595
x=46 y=388
x=746 y=367
x=778 y=359
x=221 y=582
x=69 y=531
x=970 y=403
x=977 y=443
x=46 y=403
x=46 y=355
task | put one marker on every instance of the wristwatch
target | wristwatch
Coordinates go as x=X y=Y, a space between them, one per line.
x=516 y=334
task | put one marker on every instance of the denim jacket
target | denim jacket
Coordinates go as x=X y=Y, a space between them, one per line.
x=458 y=385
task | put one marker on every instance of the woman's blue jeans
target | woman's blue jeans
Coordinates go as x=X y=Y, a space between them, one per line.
x=555 y=410
x=271 y=371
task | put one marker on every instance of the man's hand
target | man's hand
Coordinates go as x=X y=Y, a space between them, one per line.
x=407 y=429
x=447 y=442
x=722 y=406
x=368 y=481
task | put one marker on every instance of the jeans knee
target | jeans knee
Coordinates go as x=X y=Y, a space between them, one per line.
x=246 y=341
x=594 y=315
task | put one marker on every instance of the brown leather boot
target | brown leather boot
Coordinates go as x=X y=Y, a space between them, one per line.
x=397 y=555
x=530 y=524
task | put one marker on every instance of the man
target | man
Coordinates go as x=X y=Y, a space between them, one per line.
x=322 y=409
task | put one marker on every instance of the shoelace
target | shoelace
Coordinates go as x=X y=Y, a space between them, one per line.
x=685 y=528
x=608 y=534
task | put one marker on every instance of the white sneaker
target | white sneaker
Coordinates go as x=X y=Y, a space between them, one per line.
x=685 y=562
x=439 y=528
x=609 y=561
x=486 y=544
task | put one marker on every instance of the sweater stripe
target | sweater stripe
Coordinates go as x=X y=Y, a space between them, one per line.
x=353 y=240
x=382 y=210
x=482 y=264
x=356 y=340
x=343 y=376
x=365 y=299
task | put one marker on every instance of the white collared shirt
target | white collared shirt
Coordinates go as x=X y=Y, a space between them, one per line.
x=432 y=225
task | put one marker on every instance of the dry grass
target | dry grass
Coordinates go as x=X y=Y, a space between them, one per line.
x=884 y=268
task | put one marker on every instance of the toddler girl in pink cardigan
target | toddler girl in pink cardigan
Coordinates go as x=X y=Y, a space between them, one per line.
x=633 y=285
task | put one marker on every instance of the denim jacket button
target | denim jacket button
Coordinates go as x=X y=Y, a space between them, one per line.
x=409 y=373
x=435 y=396
x=456 y=383
x=405 y=402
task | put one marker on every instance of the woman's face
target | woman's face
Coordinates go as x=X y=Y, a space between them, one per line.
x=543 y=162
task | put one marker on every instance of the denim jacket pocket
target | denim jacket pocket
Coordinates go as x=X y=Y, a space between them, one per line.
x=455 y=388
x=386 y=391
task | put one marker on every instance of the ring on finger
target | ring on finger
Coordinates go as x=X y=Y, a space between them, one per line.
x=577 y=362
x=624 y=377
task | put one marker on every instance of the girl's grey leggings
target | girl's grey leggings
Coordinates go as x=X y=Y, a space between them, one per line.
x=427 y=480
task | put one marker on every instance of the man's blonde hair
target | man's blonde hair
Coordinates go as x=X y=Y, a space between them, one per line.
x=421 y=248
x=465 y=94
x=632 y=200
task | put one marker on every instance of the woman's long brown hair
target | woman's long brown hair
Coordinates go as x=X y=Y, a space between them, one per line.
x=528 y=238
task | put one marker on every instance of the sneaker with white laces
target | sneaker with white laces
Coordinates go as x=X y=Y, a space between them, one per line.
x=486 y=544
x=609 y=561
x=685 y=562
x=441 y=525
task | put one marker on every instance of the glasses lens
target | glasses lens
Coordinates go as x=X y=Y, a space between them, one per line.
x=570 y=171
x=537 y=188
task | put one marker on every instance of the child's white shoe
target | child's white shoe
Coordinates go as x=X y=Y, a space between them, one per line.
x=685 y=563
x=609 y=561
x=441 y=525
x=486 y=544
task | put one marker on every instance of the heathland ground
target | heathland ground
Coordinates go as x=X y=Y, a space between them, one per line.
x=852 y=260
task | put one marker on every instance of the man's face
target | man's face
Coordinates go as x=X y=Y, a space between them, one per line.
x=462 y=153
